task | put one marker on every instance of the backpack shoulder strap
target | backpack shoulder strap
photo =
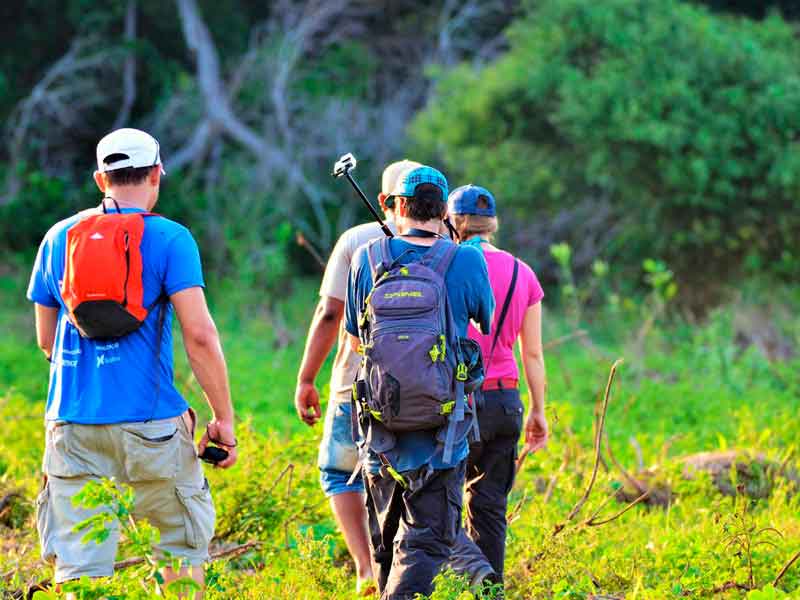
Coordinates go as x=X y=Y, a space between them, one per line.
x=440 y=256
x=379 y=254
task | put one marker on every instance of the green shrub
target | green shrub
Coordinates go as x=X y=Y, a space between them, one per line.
x=41 y=202
x=686 y=121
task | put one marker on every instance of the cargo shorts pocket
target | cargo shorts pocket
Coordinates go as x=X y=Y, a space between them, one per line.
x=152 y=450
x=64 y=453
x=199 y=514
x=44 y=524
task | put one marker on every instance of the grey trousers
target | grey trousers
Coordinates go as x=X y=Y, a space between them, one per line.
x=489 y=478
x=412 y=532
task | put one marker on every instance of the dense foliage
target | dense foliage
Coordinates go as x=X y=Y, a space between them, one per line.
x=684 y=121
x=631 y=129
x=250 y=117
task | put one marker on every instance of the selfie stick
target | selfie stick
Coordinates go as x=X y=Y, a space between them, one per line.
x=342 y=168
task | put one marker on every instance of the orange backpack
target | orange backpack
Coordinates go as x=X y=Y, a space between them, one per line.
x=102 y=285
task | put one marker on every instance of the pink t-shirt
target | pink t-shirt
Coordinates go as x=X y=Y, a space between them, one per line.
x=527 y=292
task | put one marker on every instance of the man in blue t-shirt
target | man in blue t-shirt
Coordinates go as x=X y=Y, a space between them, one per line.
x=415 y=514
x=112 y=407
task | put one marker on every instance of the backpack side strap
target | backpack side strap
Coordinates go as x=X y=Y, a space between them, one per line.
x=456 y=417
x=379 y=255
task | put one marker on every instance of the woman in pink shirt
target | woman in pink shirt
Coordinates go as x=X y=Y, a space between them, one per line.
x=518 y=315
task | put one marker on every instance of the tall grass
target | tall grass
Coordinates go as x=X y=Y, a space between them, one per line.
x=684 y=388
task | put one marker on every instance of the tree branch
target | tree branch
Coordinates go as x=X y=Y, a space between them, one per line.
x=129 y=70
x=593 y=523
x=785 y=569
x=597 y=450
x=209 y=79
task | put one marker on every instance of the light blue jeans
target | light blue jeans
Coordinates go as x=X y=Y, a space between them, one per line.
x=338 y=454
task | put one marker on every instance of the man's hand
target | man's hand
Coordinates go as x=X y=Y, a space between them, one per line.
x=222 y=434
x=536 y=432
x=306 y=401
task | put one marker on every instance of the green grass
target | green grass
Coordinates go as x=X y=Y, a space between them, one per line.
x=685 y=389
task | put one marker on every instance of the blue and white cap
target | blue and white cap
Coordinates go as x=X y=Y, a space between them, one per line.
x=466 y=200
x=408 y=181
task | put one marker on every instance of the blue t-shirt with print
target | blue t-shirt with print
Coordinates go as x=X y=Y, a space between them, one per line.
x=470 y=296
x=117 y=381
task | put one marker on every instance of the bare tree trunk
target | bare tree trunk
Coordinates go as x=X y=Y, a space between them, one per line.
x=209 y=78
x=129 y=71
x=221 y=116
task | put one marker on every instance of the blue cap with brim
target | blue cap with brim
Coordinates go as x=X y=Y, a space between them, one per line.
x=407 y=183
x=464 y=201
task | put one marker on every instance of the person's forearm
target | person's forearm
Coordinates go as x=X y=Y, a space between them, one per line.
x=208 y=365
x=46 y=322
x=535 y=376
x=321 y=337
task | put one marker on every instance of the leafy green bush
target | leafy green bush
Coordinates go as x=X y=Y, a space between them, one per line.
x=42 y=202
x=686 y=121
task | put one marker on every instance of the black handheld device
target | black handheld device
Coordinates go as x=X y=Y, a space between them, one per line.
x=213 y=455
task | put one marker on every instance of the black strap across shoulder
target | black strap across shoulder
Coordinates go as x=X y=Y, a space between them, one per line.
x=503 y=313
x=422 y=233
x=163 y=303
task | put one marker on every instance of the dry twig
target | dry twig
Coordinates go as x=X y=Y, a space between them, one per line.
x=628 y=477
x=593 y=523
x=232 y=552
x=597 y=450
x=287 y=469
x=303 y=242
x=638 y=451
x=785 y=569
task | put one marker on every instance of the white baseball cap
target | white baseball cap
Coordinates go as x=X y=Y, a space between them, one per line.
x=135 y=147
x=393 y=171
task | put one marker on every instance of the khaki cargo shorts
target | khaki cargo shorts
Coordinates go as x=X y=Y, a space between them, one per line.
x=158 y=459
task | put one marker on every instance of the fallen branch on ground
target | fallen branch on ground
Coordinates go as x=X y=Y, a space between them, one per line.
x=232 y=552
x=725 y=587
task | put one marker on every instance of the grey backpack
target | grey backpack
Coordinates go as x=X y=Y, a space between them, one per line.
x=413 y=376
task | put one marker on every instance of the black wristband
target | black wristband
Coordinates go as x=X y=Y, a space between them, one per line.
x=219 y=443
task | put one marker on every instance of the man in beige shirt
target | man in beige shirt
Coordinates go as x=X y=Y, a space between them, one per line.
x=338 y=454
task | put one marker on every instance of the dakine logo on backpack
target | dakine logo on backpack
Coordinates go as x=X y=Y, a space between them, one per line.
x=102 y=286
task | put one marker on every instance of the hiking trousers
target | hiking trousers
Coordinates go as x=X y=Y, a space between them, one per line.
x=412 y=532
x=489 y=477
